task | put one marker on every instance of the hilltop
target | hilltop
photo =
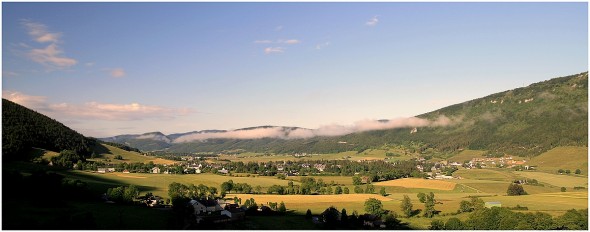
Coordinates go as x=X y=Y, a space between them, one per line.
x=523 y=121
x=23 y=129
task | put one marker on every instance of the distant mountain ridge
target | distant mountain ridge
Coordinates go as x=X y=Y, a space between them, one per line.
x=522 y=121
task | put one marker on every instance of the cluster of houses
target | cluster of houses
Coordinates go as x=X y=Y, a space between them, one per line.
x=213 y=211
x=505 y=162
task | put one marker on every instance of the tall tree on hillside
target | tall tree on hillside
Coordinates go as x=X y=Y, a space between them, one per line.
x=429 y=210
x=227 y=186
x=422 y=197
x=374 y=206
x=407 y=206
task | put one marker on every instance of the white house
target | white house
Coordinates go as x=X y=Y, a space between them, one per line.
x=204 y=206
x=101 y=170
x=155 y=170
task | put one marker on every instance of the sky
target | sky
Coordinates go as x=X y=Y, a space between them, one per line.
x=105 y=69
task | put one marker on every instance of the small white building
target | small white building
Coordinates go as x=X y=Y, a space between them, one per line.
x=156 y=170
x=204 y=206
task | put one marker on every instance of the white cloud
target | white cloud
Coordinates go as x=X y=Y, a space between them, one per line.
x=278 y=28
x=95 y=110
x=117 y=72
x=51 y=56
x=263 y=41
x=34 y=102
x=89 y=64
x=291 y=41
x=40 y=33
x=322 y=45
x=271 y=50
x=280 y=41
x=325 y=130
x=373 y=21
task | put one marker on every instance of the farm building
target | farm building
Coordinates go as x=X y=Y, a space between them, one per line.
x=493 y=204
x=204 y=206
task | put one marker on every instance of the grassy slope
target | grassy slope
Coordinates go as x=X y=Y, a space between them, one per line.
x=562 y=158
x=109 y=152
x=467 y=155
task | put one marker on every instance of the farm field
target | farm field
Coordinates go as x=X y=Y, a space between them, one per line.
x=316 y=203
x=569 y=181
x=562 y=158
x=158 y=183
x=419 y=183
x=485 y=174
x=449 y=193
x=554 y=203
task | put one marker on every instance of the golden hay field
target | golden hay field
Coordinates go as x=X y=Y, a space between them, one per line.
x=164 y=161
x=419 y=183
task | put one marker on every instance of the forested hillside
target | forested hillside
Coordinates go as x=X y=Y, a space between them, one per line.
x=522 y=121
x=23 y=129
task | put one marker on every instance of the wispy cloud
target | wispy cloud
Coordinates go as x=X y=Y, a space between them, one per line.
x=89 y=64
x=322 y=45
x=278 y=28
x=326 y=130
x=117 y=72
x=271 y=50
x=373 y=21
x=33 y=102
x=263 y=41
x=291 y=41
x=52 y=55
x=40 y=33
x=9 y=74
x=280 y=41
x=95 y=110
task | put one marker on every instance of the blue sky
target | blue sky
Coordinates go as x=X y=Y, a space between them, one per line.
x=115 y=68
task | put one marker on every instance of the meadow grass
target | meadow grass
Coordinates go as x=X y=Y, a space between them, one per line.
x=556 y=179
x=467 y=155
x=485 y=174
x=128 y=157
x=44 y=154
x=562 y=158
x=557 y=201
x=419 y=183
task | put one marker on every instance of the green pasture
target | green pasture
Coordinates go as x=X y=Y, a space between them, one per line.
x=109 y=153
x=467 y=155
x=571 y=158
x=556 y=202
x=485 y=174
x=558 y=180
